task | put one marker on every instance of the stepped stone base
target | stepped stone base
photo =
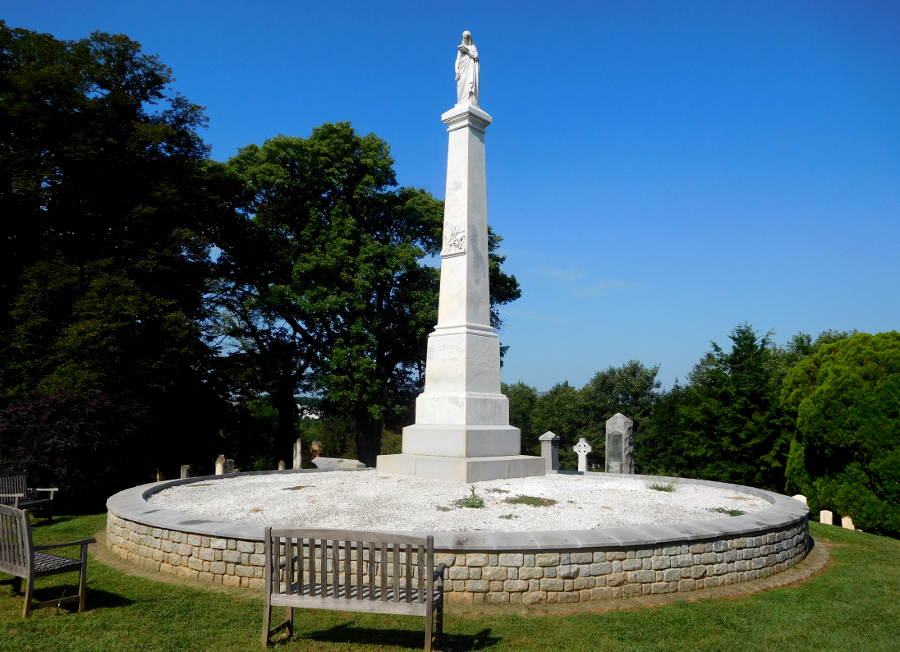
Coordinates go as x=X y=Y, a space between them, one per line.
x=462 y=469
x=461 y=441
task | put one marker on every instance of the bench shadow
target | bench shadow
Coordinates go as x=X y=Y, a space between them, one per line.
x=413 y=639
x=96 y=598
x=41 y=520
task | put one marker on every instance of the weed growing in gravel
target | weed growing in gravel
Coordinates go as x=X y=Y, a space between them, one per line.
x=299 y=486
x=534 y=501
x=441 y=508
x=668 y=487
x=473 y=501
x=729 y=512
x=509 y=516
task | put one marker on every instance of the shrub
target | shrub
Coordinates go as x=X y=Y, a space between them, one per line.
x=84 y=446
x=846 y=453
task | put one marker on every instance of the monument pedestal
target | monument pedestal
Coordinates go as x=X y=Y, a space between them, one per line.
x=462 y=429
x=462 y=469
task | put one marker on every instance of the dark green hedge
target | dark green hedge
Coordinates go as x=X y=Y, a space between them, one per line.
x=846 y=453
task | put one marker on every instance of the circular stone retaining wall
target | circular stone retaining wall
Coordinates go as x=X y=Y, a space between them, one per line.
x=495 y=567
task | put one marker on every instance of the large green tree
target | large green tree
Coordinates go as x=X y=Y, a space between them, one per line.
x=105 y=194
x=733 y=427
x=846 y=453
x=324 y=284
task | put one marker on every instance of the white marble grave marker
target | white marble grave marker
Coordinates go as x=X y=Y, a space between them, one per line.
x=619 y=444
x=281 y=465
x=298 y=455
x=220 y=465
x=550 y=452
x=185 y=471
x=462 y=429
x=582 y=448
x=847 y=522
x=826 y=517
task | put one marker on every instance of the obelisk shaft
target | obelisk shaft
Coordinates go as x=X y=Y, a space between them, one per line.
x=462 y=429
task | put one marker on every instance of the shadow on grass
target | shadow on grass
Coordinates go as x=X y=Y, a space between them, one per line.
x=348 y=633
x=96 y=598
x=41 y=519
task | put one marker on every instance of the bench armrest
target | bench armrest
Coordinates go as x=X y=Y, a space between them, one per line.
x=439 y=571
x=52 y=490
x=80 y=542
x=12 y=495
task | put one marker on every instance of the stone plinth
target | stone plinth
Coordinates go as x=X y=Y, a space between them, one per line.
x=462 y=429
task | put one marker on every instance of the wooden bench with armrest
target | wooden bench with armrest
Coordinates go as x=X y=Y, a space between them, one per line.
x=352 y=570
x=14 y=492
x=23 y=560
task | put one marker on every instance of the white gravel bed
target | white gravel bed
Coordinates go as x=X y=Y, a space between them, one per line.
x=370 y=500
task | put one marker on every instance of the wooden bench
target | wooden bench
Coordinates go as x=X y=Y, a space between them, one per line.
x=24 y=560
x=14 y=492
x=352 y=570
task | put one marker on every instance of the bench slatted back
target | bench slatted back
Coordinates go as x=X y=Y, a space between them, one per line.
x=333 y=563
x=12 y=482
x=16 y=547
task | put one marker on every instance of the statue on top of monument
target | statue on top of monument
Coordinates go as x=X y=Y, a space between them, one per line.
x=468 y=71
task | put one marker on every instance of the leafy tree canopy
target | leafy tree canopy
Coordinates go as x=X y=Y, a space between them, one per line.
x=324 y=286
x=106 y=195
x=846 y=454
x=733 y=426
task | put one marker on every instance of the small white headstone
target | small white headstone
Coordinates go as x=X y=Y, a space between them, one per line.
x=582 y=448
x=826 y=517
x=185 y=470
x=220 y=465
x=847 y=522
x=282 y=466
x=298 y=455
x=801 y=498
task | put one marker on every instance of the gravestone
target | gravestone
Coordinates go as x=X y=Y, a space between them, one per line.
x=185 y=470
x=550 y=452
x=229 y=466
x=220 y=465
x=462 y=429
x=281 y=465
x=847 y=522
x=826 y=517
x=619 y=444
x=298 y=455
x=800 y=497
x=582 y=448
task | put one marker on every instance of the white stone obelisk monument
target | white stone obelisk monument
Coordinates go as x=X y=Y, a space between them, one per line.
x=462 y=429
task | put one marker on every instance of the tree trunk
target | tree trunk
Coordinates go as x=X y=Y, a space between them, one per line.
x=368 y=437
x=286 y=432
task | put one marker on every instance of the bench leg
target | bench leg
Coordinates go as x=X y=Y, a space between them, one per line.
x=82 y=579
x=267 y=617
x=290 y=621
x=440 y=624
x=29 y=594
x=429 y=628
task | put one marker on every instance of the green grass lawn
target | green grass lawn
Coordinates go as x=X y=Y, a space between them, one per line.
x=853 y=604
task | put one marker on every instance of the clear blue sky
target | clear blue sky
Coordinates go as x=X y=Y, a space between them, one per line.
x=660 y=171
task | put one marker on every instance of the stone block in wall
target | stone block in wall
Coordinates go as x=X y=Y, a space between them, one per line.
x=476 y=560
x=534 y=597
x=546 y=559
x=511 y=559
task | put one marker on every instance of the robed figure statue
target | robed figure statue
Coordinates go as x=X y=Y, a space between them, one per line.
x=468 y=71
